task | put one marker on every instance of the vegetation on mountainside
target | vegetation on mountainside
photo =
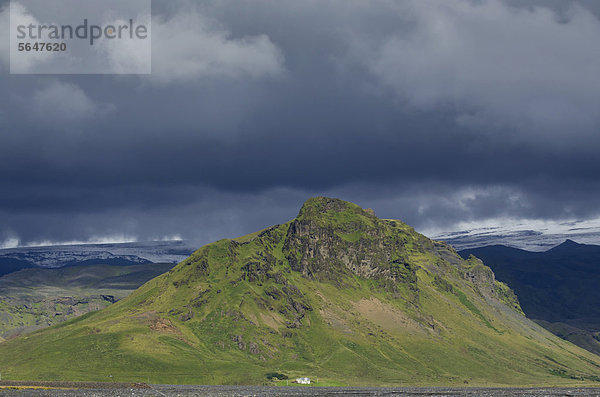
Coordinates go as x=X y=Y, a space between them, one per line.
x=36 y=298
x=335 y=294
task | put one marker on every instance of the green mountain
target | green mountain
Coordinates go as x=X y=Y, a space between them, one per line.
x=558 y=288
x=36 y=298
x=335 y=294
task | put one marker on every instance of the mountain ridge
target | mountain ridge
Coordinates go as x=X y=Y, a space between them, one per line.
x=56 y=256
x=335 y=293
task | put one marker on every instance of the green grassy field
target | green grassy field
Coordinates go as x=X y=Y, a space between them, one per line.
x=336 y=294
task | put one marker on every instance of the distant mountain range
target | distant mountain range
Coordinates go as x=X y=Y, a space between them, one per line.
x=532 y=237
x=42 y=286
x=36 y=298
x=14 y=259
x=560 y=287
x=336 y=294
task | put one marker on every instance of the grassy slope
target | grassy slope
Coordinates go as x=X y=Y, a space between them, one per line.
x=35 y=298
x=558 y=288
x=212 y=320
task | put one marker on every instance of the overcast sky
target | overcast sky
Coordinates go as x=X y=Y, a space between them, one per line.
x=431 y=111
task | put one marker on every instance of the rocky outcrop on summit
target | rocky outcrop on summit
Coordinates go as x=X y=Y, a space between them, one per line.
x=331 y=238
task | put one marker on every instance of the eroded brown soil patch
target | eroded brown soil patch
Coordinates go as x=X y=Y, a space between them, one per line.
x=386 y=316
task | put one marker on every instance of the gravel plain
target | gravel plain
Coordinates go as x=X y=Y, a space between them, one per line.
x=142 y=390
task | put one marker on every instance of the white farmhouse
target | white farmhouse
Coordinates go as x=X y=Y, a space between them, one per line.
x=303 y=381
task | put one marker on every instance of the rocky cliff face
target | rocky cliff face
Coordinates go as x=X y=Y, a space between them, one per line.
x=331 y=239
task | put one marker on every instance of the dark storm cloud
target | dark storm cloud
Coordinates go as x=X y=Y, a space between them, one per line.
x=427 y=111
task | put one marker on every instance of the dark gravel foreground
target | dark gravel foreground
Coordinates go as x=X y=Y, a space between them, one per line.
x=142 y=390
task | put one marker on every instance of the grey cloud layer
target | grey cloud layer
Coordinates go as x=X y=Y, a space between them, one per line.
x=496 y=65
x=435 y=112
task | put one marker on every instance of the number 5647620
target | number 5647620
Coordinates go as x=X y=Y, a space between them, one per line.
x=48 y=47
